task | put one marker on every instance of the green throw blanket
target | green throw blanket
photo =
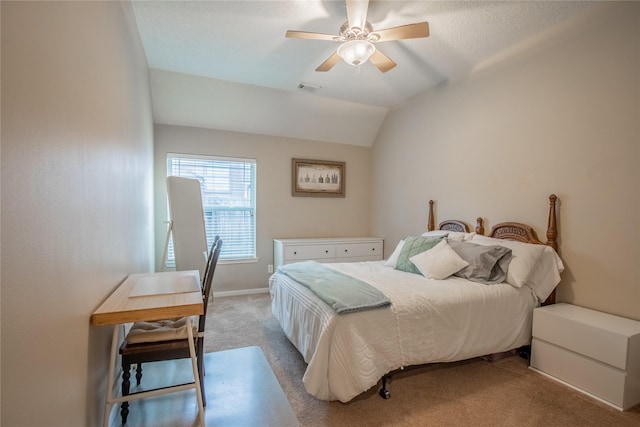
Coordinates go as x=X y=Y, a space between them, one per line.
x=343 y=293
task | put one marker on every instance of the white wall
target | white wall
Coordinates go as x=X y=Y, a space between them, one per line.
x=77 y=146
x=561 y=118
x=279 y=215
x=203 y=102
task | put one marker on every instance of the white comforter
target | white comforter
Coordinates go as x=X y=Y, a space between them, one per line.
x=429 y=321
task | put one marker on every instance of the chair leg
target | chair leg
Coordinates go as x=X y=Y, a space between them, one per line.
x=126 y=375
x=138 y=373
x=200 y=357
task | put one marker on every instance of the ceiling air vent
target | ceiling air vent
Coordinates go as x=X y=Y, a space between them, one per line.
x=308 y=87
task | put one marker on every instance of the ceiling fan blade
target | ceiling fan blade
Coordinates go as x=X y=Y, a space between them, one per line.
x=307 y=35
x=411 y=31
x=357 y=13
x=382 y=61
x=329 y=63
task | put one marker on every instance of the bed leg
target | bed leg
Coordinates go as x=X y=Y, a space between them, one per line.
x=525 y=352
x=384 y=393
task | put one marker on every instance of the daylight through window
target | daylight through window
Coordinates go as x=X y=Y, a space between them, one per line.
x=228 y=187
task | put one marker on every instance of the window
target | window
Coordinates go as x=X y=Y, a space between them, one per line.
x=228 y=187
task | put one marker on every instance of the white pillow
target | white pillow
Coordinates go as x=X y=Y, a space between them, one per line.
x=435 y=233
x=525 y=257
x=460 y=236
x=439 y=262
x=546 y=274
x=451 y=235
x=393 y=258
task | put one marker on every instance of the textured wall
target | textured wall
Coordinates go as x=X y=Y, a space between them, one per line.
x=278 y=214
x=77 y=144
x=561 y=117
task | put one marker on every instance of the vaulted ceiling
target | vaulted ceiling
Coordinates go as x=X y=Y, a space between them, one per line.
x=227 y=64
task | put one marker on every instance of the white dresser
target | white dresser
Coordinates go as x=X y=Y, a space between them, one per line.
x=335 y=249
x=594 y=352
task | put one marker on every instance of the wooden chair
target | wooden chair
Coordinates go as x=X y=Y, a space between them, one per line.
x=167 y=339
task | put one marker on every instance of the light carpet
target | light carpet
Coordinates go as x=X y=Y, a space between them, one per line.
x=473 y=392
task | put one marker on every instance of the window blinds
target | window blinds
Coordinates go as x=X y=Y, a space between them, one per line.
x=228 y=187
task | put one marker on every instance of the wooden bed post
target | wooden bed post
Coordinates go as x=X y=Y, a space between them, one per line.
x=431 y=224
x=552 y=230
x=480 y=226
x=552 y=234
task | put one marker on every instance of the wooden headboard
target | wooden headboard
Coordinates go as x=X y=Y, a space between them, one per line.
x=450 y=224
x=508 y=230
x=525 y=233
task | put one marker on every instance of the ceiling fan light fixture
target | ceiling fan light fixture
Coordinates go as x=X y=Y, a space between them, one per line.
x=356 y=52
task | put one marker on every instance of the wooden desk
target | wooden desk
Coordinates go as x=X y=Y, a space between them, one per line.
x=147 y=297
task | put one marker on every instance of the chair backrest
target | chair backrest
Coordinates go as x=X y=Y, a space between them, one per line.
x=208 y=261
x=210 y=269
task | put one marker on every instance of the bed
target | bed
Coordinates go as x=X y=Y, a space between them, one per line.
x=426 y=320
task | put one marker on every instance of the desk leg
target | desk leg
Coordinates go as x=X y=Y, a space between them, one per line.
x=196 y=376
x=110 y=381
x=110 y=399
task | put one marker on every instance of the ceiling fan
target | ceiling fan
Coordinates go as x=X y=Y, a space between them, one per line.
x=357 y=38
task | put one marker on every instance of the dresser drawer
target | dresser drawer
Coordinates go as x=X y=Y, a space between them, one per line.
x=371 y=250
x=305 y=252
x=594 y=334
x=327 y=249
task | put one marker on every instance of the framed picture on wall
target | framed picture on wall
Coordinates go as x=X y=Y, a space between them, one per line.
x=317 y=178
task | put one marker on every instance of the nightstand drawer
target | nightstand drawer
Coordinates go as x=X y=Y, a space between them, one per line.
x=591 y=376
x=596 y=352
x=594 y=334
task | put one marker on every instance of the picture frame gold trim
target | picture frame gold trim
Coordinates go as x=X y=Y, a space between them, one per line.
x=317 y=178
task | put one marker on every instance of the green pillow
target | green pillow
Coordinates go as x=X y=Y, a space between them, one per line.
x=413 y=246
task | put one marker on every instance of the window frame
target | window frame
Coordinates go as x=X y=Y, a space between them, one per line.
x=250 y=251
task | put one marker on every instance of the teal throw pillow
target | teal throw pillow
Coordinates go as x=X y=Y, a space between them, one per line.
x=413 y=246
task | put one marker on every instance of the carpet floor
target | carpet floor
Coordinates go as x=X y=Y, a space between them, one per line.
x=473 y=392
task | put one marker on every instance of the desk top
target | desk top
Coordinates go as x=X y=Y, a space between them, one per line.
x=152 y=296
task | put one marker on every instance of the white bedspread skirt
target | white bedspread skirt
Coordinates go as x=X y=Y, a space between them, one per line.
x=429 y=321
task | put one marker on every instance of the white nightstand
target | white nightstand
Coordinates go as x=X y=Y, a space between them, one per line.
x=594 y=352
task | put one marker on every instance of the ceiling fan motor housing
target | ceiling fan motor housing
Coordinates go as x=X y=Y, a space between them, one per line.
x=357 y=40
x=354 y=33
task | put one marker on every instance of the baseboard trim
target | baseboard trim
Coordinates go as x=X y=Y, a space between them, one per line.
x=593 y=396
x=223 y=294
